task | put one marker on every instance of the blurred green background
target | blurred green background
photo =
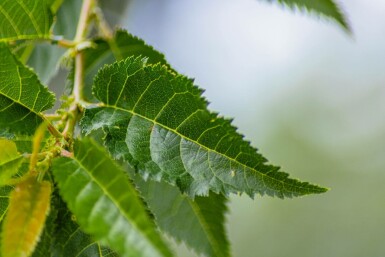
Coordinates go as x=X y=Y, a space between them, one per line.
x=308 y=95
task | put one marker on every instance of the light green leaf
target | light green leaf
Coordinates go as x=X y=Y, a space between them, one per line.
x=70 y=240
x=10 y=160
x=28 y=207
x=22 y=96
x=170 y=134
x=4 y=201
x=25 y=19
x=199 y=223
x=327 y=8
x=43 y=248
x=105 y=203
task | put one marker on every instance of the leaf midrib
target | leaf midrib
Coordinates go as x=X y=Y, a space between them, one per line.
x=214 y=243
x=23 y=105
x=301 y=188
x=116 y=204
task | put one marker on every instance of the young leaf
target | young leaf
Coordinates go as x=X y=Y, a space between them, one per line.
x=10 y=160
x=28 y=208
x=70 y=240
x=199 y=223
x=327 y=8
x=105 y=203
x=43 y=248
x=171 y=135
x=22 y=96
x=25 y=19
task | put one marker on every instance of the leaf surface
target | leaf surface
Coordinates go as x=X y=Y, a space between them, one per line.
x=327 y=8
x=28 y=208
x=199 y=223
x=105 y=203
x=4 y=201
x=169 y=134
x=10 y=160
x=22 y=96
x=121 y=46
x=25 y=19
x=70 y=240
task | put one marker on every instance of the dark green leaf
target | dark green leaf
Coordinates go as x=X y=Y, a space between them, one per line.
x=105 y=203
x=170 y=134
x=22 y=96
x=70 y=240
x=121 y=46
x=25 y=19
x=199 y=223
x=327 y=8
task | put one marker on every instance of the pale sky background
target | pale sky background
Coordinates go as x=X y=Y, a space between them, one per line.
x=308 y=95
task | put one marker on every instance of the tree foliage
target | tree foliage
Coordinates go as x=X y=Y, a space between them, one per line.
x=132 y=153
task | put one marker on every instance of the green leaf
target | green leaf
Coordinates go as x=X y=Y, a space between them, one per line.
x=70 y=240
x=121 y=46
x=199 y=223
x=170 y=134
x=4 y=200
x=10 y=160
x=28 y=208
x=22 y=96
x=327 y=8
x=105 y=203
x=25 y=19
x=43 y=248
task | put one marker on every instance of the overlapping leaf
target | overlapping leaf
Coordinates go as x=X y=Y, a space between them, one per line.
x=25 y=19
x=70 y=240
x=170 y=134
x=22 y=96
x=199 y=223
x=121 y=46
x=28 y=207
x=10 y=160
x=105 y=203
x=327 y=8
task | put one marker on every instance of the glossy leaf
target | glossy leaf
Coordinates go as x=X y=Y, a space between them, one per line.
x=28 y=208
x=10 y=160
x=25 y=19
x=22 y=96
x=327 y=8
x=105 y=203
x=199 y=223
x=170 y=134
x=70 y=240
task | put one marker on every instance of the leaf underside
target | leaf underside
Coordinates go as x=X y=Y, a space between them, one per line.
x=105 y=203
x=159 y=122
x=327 y=8
x=22 y=96
x=199 y=223
x=25 y=19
